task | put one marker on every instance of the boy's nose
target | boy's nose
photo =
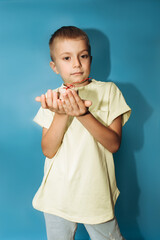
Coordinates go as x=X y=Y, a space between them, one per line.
x=76 y=62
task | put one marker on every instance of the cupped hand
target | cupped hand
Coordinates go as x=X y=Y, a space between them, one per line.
x=70 y=103
x=51 y=102
x=73 y=105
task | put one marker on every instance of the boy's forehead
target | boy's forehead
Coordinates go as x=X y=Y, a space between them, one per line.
x=62 y=43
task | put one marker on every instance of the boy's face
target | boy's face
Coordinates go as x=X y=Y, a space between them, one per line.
x=71 y=60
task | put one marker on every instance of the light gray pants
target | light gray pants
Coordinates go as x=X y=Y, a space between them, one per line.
x=61 y=229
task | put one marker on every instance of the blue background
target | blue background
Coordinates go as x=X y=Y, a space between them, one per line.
x=125 y=39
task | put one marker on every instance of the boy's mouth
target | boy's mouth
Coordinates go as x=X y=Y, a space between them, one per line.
x=77 y=73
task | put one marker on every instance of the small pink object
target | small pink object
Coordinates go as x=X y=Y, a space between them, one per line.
x=69 y=86
x=63 y=89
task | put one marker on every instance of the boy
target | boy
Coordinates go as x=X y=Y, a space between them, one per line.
x=82 y=124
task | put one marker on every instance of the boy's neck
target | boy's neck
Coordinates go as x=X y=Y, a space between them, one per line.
x=82 y=83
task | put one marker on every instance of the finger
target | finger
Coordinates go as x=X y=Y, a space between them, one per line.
x=61 y=92
x=43 y=101
x=71 y=97
x=60 y=106
x=66 y=104
x=79 y=101
x=55 y=99
x=65 y=98
x=70 y=101
x=73 y=101
x=87 y=103
x=38 y=99
x=49 y=98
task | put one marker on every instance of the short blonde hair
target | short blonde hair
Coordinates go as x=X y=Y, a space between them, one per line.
x=68 y=32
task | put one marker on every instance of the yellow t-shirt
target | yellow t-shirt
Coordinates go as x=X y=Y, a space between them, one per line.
x=79 y=181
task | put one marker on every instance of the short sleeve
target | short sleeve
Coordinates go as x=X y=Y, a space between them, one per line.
x=117 y=105
x=44 y=117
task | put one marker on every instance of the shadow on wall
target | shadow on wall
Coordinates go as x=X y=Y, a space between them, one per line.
x=100 y=50
x=127 y=208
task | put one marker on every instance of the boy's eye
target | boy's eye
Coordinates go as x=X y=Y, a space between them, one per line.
x=84 y=56
x=66 y=58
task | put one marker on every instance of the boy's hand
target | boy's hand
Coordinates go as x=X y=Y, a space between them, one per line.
x=70 y=103
x=73 y=105
x=51 y=102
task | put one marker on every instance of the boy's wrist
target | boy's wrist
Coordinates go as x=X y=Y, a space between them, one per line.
x=84 y=114
x=64 y=115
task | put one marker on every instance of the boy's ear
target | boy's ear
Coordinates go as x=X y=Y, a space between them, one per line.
x=53 y=66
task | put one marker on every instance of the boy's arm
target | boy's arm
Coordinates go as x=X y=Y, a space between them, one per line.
x=109 y=137
x=52 y=137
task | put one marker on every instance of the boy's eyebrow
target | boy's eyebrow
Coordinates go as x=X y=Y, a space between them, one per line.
x=64 y=53
x=85 y=50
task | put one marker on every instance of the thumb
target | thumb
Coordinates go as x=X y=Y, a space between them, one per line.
x=38 y=99
x=87 y=103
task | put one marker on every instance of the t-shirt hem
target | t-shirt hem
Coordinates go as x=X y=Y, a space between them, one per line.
x=78 y=219
x=83 y=220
